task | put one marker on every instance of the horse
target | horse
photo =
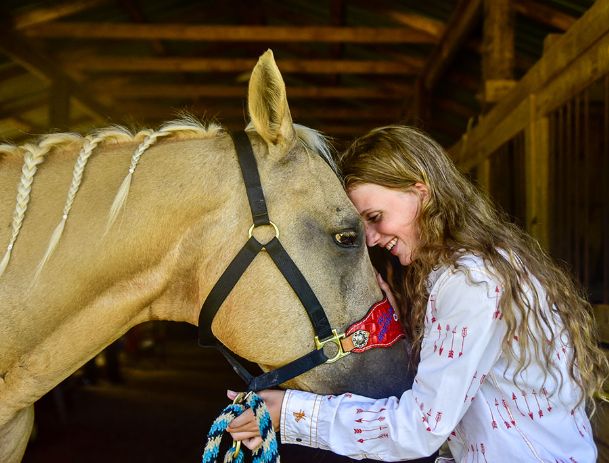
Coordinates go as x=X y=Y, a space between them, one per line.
x=114 y=229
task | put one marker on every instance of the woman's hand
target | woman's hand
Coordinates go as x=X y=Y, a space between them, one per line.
x=387 y=290
x=245 y=428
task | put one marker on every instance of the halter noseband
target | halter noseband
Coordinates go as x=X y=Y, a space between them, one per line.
x=379 y=328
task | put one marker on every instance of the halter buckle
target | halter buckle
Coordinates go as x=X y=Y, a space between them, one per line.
x=335 y=339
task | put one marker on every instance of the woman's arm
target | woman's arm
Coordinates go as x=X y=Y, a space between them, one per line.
x=463 y=338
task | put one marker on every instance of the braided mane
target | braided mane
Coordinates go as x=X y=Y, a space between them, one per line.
x=34 y=154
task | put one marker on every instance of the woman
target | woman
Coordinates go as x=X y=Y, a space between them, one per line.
x=507 y=357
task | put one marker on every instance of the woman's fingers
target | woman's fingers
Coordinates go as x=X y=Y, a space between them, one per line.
x=252 y=443
x=387 y=290
x=244 y=423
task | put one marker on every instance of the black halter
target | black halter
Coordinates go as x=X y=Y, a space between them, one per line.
x=323 y=332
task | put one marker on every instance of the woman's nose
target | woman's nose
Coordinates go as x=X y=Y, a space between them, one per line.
x=372 y=236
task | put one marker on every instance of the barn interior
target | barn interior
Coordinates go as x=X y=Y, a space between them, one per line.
x=516 y=91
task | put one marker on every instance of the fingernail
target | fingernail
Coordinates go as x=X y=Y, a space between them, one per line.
x=231 y=394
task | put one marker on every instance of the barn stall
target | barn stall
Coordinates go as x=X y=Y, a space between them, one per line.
x=517 y=92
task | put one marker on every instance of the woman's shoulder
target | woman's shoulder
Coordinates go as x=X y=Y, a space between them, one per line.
x=468 y=269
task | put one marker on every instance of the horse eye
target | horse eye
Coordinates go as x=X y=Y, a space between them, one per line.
x=346 y=238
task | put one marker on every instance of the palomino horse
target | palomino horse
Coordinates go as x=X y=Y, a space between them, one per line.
x=83 y=264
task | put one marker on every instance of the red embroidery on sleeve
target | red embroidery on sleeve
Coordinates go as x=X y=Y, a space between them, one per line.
x=376 y=428
x=515 y=399
x=539 y=410
x=463 y=336
x=507 y=425
x=434 y=309
x=361 y=410
x=509 y=412
x=497 y=315
x=530 y=413
x=382 y=436
x=451 y=352
x=482 y=449
x=545 y=394
x=361 y=420
x=470 y=386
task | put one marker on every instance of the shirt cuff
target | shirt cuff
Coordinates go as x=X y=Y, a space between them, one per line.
x=299 y=414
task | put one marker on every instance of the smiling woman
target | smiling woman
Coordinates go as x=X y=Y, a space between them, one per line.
x=507 y=359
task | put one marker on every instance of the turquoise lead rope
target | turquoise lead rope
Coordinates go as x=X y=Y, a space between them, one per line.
x=267 y=452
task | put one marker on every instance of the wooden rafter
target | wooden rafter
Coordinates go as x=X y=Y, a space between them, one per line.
x=381 y=114
x=459 y=26
x=42 y=66
x=189 y=91
x=418 y=22
x=174 y=64
x=412 y=20
x=42 y=15
x=544 y=14
x=269 y=34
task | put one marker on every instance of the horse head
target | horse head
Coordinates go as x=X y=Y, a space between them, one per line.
x=262 y=320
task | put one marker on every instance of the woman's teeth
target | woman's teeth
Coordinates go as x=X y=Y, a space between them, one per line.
x=391 y=244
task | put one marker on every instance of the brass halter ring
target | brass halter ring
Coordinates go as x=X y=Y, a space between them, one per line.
x=251 y=230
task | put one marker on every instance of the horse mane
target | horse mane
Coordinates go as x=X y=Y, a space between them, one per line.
x=185 y=127
x=34 y=154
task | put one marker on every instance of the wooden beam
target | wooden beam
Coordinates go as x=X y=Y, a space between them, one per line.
x=39 y=16
x=21 y=51
x=387 y=8
x=190 y=91
x=544 y=14
x=191 y=32
x=380 y=114
x=498 y=45
x=8 y=111
x=174 y=64
x=418 y=22
x=579 y=57
x=497 y=65
x=461 y=23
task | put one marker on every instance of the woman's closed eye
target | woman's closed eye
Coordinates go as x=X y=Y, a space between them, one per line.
x=374 y=218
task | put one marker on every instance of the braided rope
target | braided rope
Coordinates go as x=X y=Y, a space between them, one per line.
x=267 y=452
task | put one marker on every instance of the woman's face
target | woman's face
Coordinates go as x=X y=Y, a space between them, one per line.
x=390 y=217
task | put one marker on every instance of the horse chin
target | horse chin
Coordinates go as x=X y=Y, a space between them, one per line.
x=377 y=373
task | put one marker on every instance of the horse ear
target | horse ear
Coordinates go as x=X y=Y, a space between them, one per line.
x=268 y=104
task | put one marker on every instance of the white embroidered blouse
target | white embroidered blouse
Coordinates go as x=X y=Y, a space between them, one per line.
x=460 y=392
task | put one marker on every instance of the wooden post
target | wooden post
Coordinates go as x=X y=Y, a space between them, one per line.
x=497 y=65
x=537 y=173
x=59 y=105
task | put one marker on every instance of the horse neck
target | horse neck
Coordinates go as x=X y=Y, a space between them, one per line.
x=177 y=193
